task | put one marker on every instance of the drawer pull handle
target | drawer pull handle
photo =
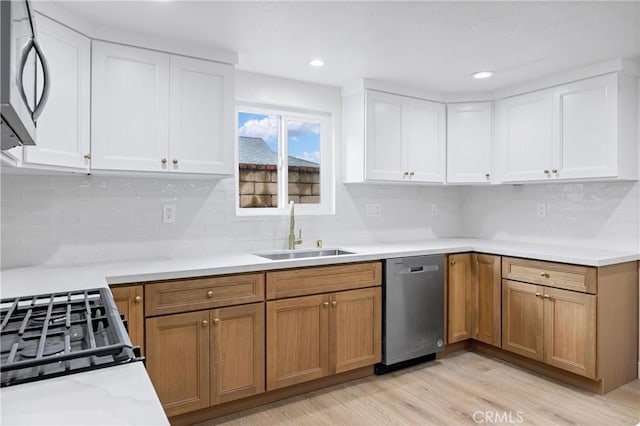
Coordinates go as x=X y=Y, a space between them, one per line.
x=544 y=274
x=334 y=303
x=205 y=323
x=546 y=296
x=325 y=304
x=138 y=299
x=210 y=293
x=216 y=321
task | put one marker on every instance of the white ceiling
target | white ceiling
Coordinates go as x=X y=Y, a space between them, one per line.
x=430 y=45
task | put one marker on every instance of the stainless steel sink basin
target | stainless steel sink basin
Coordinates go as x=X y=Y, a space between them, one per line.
x=302 y=254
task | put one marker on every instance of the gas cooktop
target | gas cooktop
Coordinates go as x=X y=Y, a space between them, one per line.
x=51 y=335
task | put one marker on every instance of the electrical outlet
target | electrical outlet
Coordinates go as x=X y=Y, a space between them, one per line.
x=168 y=213
x=541 y=210
x=434 y=210
x=374 y=210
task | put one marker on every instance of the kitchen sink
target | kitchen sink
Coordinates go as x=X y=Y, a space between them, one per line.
x=302 y=254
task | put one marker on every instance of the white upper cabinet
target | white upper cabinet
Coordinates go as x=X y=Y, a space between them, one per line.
x=63 y=127
x=155 y=112
x=469 y=142
x=393 y=138
x=201 y=119
x=581 y=130
x=525 y=136
x=130 y=108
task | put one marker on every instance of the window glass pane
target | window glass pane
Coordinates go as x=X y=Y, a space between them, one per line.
x=303 y=147
x=258 y=159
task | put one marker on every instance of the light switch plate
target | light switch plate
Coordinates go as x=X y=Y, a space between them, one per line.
x=168 y=213
x=374 y=210
x=541 y=210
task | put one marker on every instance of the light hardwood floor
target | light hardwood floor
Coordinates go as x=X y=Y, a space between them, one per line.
x=449 y=392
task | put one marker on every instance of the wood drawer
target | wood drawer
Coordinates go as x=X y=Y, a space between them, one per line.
x=560 y=275
x=322 y=279
x=194 y=294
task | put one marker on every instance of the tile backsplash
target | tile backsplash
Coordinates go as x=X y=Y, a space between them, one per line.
x=597 y=215
x=76 y=219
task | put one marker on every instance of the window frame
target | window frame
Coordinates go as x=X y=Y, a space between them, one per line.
x=327 y=170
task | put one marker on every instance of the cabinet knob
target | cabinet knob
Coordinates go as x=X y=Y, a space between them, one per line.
x=205 y=323
x=325 y=304
x=546 y=296
x=163 y=161
x=544 y=275
x=210 y=293
x=411 y=173
x=334 y=303
x=453 y=262
x=138 y=299
x=87 y=156
x=216 y=321
x=175 y=161
x=487 y=175
x=546 y=171
x=554 y=171
x=406 y=174
x=538 y=294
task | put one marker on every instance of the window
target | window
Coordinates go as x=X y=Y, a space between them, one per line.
x=284 y=156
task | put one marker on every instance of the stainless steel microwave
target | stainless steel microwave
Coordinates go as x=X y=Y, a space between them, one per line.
x=22 y=66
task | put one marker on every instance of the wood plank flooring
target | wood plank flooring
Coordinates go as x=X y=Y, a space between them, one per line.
x=451 y=391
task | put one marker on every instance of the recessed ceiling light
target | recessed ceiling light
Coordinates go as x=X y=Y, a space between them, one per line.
x=482 y=74
x=316 y=62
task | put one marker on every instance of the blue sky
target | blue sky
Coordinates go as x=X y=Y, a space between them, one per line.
x=303 y=137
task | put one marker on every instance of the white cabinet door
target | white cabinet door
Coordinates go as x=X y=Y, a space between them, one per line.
x=201 y=116
x=130 y=108
x=63 y=127
x=424 y=126
x=469 y=142
x=526 y=136
x=588 y=129
x=384 y=137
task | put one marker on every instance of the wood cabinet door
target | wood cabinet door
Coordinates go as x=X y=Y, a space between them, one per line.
x=570 y=331
x=237 y=352
x=525 y=136
x=297 y=340
x=129 y=303
x=384 y=149
x=522 y=317
x=459 y=297
x=588 y=128
x=63 y=127
x=355 y=329
x=469 y=142
x=487 y=295
x=178 y=360
x=129 y=108
x=201 y=116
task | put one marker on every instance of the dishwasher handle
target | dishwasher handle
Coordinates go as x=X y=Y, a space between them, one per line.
x=418 y=269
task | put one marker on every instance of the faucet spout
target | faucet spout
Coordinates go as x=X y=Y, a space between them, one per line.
x=292 y=223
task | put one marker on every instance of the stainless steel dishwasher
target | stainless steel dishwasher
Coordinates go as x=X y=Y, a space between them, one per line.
x=413 y=311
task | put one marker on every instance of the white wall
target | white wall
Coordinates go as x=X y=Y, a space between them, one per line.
x=598 y=215
x=68 y=218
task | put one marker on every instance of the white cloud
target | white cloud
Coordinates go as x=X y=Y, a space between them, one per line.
x=311 y=156
x=265 y=128
x=301 y=128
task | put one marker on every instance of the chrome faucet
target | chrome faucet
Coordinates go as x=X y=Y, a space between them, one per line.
x=292 y=224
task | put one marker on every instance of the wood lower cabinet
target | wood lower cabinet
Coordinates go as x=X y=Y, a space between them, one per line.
x=297 y=340
x=178 y=360
x=459 y=297
x=129 y=301
x=237 y=352
x=487 y=296
x=551 y=325
x=202 y=358
x=315 y=336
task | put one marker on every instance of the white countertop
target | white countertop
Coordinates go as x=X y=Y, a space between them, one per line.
x=124 y=394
